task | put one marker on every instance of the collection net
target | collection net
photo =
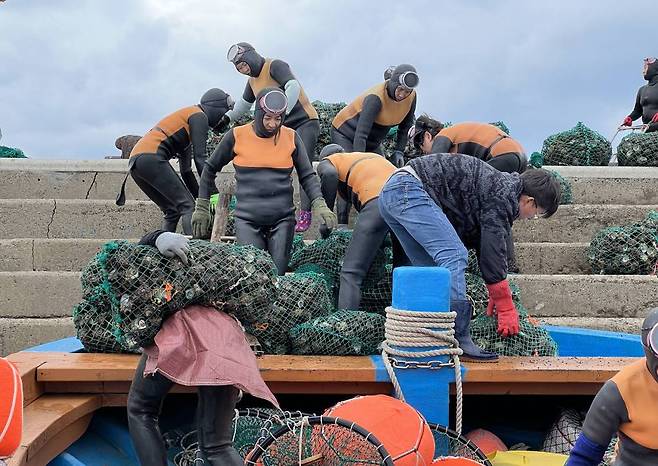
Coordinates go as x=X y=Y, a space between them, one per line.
x=577 y=146
x=638 y=149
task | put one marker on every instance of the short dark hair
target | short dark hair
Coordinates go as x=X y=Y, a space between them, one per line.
x=425 y=123
x=544 y=188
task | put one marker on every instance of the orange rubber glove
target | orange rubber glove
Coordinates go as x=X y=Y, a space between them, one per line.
x=500 y=298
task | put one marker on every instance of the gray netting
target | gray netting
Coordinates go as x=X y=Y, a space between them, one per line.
x=341 y=333
x=449 y=443
x=11 y=153
x=626 y=250
x=500 y=125
x=326 y=114
x=143 y=287
x=532 y=340
x=577 y=146
x=300 y=298
x=564 y=432
x=638 y=149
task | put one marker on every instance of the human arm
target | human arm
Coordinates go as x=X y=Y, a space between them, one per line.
x=637 y=110
x=372 y=105
x=198 y=137
x=222 y=155
x=328 y=182
x=243 y=105
x=185 y=166
x=403 y=127
x=281 y=73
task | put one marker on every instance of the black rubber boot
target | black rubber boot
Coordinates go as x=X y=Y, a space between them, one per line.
x=472 y=352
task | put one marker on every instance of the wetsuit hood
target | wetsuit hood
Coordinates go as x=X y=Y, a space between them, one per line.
x=269 y=101
x=650 y=329
x=215 y=103
x=330 y=149
x=403 y=75
x=250 y=57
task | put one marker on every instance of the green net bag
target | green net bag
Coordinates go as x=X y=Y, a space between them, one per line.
x=341 y=333
x=143 y=287
x=326 y=114
x=11 y=153
x=577 y=146
x=377 y=296
x=565 y=187
x=625 y=250
x=638 y=150
x=300 y=298
x=536 y=160
x=500 y=125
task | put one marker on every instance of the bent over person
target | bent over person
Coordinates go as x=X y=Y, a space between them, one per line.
x=264 y=154
x=300 y=114
x=181 y=135
x=440 y=204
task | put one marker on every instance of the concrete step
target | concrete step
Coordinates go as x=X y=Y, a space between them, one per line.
x=101 y=179
x=612 y=324
x=53 y=294
x=18 y=334
x=71 y=254
x=79 y=218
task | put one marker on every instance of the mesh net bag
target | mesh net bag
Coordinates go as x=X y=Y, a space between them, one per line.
x=143 y=287
x=638 y=149
x=536 y=160
x=577 y=146
x=326 y=114
x=376 y=296
x=447 y=442
x=341 y=333
x=500 y=125
x=319 y=441
x=626 y=250
x=565 y=187
x=300 y=298
x=11 y=153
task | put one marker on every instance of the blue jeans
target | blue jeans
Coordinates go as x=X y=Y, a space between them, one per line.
x=423 y=229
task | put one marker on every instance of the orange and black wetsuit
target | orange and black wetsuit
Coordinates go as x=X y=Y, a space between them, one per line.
x=358 y=176
x=484 y=141
x=301 y=115
x=363 y=124
x=264 y=212
x=181 y=135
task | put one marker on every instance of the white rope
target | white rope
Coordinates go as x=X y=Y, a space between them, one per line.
x=436 y=330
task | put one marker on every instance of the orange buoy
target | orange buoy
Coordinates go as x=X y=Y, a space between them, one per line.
x=399 y=427
x=454 y=461
x=11 y=408
x=486 y=441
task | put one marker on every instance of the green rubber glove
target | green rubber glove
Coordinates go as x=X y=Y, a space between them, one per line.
x=319 y=208
x=201 y=220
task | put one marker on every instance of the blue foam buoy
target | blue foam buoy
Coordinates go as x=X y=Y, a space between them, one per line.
x=422 y=289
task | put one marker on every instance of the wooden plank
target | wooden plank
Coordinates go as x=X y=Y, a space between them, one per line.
x=27 y=365
x=50 y=422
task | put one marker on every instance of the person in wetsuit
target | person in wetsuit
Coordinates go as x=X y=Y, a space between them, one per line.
x=300 y=114
x=363 y=124
x=181 y=135
x=358 y=176
x=646 y=102
x=264 y=154
x=482 y=140
x=440 y=204
x=626 y=405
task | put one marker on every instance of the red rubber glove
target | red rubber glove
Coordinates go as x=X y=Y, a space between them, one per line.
x=627 y=121
x=500 y=298
x=655 y=118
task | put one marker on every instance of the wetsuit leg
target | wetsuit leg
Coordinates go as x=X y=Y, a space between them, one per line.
x=279 y=243
x=342 y=205
x=308 y=132
x=160 y=182
x=369 y=233
x=248 y=233
x=508 y=163
x=144 y=405
x=215 y=410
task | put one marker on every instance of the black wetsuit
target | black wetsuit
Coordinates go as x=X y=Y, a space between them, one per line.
x=646 y=102
x=181 y=135
x=215 y=409
x=264 y=212
x=303 y=117
x=359 y=177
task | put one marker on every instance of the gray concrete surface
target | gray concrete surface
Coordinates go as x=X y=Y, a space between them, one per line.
x=18 y=334
x=552 y=258
x=612 y=324
x=38 y=294
x=578 y=223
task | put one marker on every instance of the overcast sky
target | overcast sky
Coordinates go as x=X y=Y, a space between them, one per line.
x=76 y=74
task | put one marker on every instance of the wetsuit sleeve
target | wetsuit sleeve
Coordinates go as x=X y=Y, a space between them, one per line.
x=441 y=144
x=308 y=180
x=281 y=73
x=222 y=155
x=328 y=182
x=372 y=105
x=243 y=105
x=149 y=238
x=198 y=137
x=403 y=127
x=492 y=256
x=185 y=166
x=637 y=110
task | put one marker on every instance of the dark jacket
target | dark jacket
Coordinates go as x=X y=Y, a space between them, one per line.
x=480 y=202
